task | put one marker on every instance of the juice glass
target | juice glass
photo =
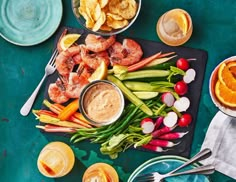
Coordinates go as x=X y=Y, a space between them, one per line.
x=56 y=160
x=175 y=27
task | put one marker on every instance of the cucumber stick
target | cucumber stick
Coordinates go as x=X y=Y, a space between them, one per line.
x=130 y=96
x=143 y=74
x=159 y=61
x=146 y=95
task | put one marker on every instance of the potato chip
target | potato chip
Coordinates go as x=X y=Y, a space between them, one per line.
x=128 y=12
x=114 y=6
x=99 y=22
x=105 y=27
x=116 y=24
x=114 y=16
x=103 y=3
x=89 y=23
x=97 y=12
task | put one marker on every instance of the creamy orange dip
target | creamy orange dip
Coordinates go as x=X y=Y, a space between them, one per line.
x=102 y=102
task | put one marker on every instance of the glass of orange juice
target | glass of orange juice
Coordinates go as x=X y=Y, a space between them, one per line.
x=56 y=160
x=175 y=27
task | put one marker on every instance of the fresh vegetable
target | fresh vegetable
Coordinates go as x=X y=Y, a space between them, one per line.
x=168 y=99
x=170 y=119
x=160 y=63
x=53 y=128
x=182 y=104
x=189 y=76
x=185 y=120
x=162 y=143
x=143 y=62
x=181 y=88
x=146 y=95
x=69 y=110
x=154 y=148
x=130 y=96
x=172 y=136
x=162 y=131
x=143 y=74
x=147 y=125
x=158 y=122
x=182 y=64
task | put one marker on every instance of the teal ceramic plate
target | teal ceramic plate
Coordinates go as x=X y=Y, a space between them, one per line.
x=28 y=22
x=165 y=164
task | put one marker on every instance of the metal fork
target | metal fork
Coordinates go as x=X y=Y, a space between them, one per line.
x=49 y=69
x=205 y=153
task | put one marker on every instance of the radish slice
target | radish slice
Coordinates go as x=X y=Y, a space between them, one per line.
x=170 y=119
x=168 y=99
x=147 y=125
x=189 y=75
x=182 y=104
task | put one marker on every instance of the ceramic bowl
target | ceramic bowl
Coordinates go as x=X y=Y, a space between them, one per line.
x=212 y=82
x=81 y=20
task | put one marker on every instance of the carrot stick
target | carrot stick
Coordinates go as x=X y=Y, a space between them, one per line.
x=52 y=128
x=69 y=110
x=76 y=120
x=147 y=60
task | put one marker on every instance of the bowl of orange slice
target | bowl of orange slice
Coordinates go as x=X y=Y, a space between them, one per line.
x=223 y=86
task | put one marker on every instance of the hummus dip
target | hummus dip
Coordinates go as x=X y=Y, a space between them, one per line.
x=102 y=102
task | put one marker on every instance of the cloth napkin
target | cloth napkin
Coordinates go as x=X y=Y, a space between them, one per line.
x=221 y=139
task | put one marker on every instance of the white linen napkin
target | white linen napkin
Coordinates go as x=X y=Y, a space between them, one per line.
x=221 y=139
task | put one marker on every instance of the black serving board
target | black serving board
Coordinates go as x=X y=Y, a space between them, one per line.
x=194 y=90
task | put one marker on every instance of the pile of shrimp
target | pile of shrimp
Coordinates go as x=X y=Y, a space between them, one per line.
x=76 y=64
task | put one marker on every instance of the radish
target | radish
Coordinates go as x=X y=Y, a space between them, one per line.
x=147 y=125
x=162 y=143
x=168 y=99
x=182 y=64
x=158 y=122
x=181 y=88
x=162 y=131
x=172 y=136
x=170 y=119
x=185 y=120
x=154 y=148
x=189 y=76
x=182 y=104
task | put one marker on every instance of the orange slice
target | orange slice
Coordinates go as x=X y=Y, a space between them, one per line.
x=226 y=77
x=181 y=19
x=232 y=67
x=225 y=95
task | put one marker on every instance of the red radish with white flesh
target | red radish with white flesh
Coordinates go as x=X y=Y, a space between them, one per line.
x=147 y=125
x=162 y=143
x=185 y=120
x=154 y=148
x=168 y=99
x=170 y=119
x=162 y=131
x=158 y=122
x=182 y=104
x=182 y=64
x=181 y=88
x=172 y=136
x=189 y=76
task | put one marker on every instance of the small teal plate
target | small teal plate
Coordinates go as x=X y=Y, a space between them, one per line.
x=28 y=22
x=165 y=164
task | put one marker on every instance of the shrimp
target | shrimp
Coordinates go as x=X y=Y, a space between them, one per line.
x=125 y=54
x=59 y=48
x=64 y=61
x=97 y=43
x=75 y=85
x=56 y=92
x=93 y=60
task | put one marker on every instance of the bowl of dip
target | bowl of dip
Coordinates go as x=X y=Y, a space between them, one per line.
x=101 y=102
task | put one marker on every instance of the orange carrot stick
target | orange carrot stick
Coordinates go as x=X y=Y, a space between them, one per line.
x=69 y=110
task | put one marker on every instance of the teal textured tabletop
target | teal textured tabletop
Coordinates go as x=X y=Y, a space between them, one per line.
x=22 y=67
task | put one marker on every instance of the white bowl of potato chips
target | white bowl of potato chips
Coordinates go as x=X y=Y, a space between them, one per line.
x=106 y=17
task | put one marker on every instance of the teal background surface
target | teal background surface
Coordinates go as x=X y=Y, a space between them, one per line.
x=21 y=69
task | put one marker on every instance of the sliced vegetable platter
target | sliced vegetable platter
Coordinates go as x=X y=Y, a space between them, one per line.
x=197 y=61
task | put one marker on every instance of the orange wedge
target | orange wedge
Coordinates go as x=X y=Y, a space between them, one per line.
x=225 y=95
x=232 y=67
x=226 y=77
x=181 y=19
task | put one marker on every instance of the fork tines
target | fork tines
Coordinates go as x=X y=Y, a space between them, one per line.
x=52 y=59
